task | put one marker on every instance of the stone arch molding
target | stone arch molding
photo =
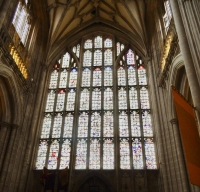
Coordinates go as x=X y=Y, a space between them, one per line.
x=11 y=99
x=83 y=178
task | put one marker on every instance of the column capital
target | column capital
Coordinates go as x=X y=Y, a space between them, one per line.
x=146 y=60
x=174 y=121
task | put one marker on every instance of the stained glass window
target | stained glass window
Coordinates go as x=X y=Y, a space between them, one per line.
x=96 y=109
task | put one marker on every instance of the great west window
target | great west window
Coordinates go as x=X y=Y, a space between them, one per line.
x=97 y=110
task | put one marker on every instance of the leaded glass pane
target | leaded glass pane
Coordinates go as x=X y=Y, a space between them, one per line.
x=97 y=77
x=73 y=78
x=41 y=156
x=122 y=99
x=65 y=154
x=84 y=101
x=86 y=77
x=57 y=126
x=74 y=49
x=147 y=127
x=124 y=154
x=130 y=57
x=108 y=43
x=53 y=155
x=98 y=42
x=78 y=51
x=108 y=124
x=68 y=126
x=135 y=124
x=88 y=44
x=108 y=154
x=71 y=100
x=81 y=154
x=108 y=99
x=46 y=127
x=63 y=79
x=98 y=58
x=144 y=98
x=108 y=77
x=150 y=154
x=50 y=101
x=54 y=79
x=131 y=76
x=96 y=99
x=122 y=47
x=94 y=162
x=118 y=48
x=121 y=77
x=142 y=76
x=60 y=100
x=133 y=98
x=123 y=125
x=87 y=58
x=108 y=57
x=66 y=59
x=95 y=125
x=137 y=153
x=83 y=125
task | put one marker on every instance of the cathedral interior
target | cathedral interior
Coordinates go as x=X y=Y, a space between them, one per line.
x=86 y=100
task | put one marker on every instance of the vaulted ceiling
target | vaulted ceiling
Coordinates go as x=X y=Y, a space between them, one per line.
x=67 y=17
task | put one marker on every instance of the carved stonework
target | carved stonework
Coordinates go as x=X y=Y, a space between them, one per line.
x=126 y=183
x=139 y=183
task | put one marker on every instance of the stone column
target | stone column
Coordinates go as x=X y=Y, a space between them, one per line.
x=183 y=185
x=4 y=135
x=184 y=46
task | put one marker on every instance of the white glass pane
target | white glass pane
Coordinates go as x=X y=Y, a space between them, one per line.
x=65 y=154
x=123 y=125
x=84 y=101
x=137 y=154
x=94 y=162
x=108 y=154
x=81 y=154
x=83 y=125
x=108 y=124
x=53 y=155
x=124 y=154
x=95 y=125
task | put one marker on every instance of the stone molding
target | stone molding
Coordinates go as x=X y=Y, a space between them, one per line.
x=5 y=125
x=174 y=121
x=15 y=126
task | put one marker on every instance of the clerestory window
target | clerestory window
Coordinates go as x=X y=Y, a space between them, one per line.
x=97 y=110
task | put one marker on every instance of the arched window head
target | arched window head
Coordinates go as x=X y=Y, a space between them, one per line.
x=97 y=110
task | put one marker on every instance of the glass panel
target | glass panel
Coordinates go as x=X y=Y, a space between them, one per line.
x=122 y=47
x=108 y=57
x=144 y=98
x=108 y=99
x=147 y=127
x=46 y=126
x=108 y=79
x=81 y=154
x=98 y=42
x=41 y=156
x=74 y=49
x=133 y=98
x=53 y=81
x=84 y=101
x=87 y=58
x=124 y=154
x=71 y=100
x=57 y=126
x=53 y=155
x=97 y=77
x=88 y=44
x=94 y=162
x=86 y=77
x=63 y=79
x=118 y=48
x=83 y=125
x=123 y=125
x=142 y=75
x=60 y=100
x=65 y=154
x=108 y=125
x=98 y=58
x=78 y=51
x=68 y=126
x=135 y=124
x=73 y=77
x=121 y=77
x=122 y=99
x=96 y=99
x=150 y=154
x=66 y=59
x=131 y=76
x=108 y=43
x=50 y=101
x=108 y=154
x=137 y=153
x=95 y=125
x=130 y=57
